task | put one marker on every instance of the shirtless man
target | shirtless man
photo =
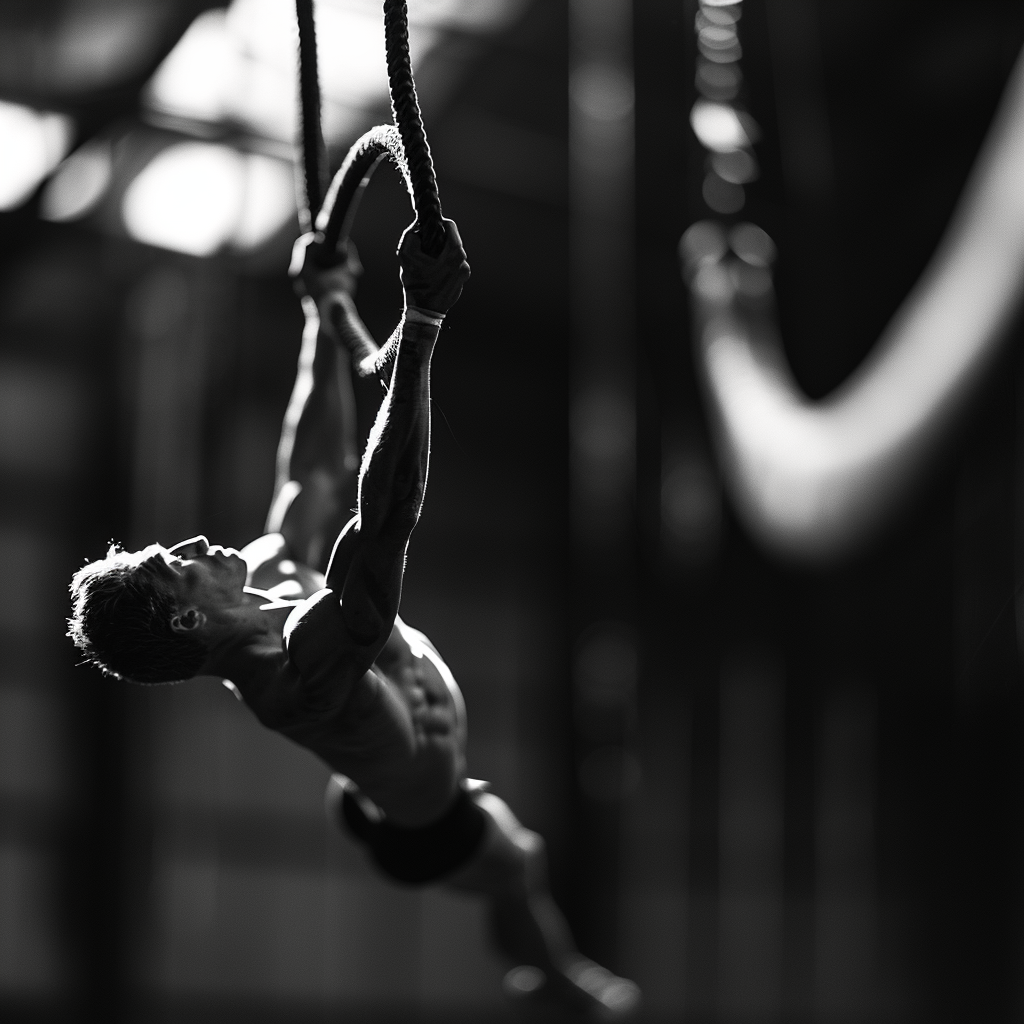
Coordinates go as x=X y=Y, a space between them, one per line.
x=323 y=658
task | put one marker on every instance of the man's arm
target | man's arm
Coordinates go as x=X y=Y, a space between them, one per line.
x=368 y=563
x=315 y=490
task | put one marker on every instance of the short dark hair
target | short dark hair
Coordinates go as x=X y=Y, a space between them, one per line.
x=121 y=619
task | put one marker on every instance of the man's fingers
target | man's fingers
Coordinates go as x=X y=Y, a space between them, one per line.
x=411 y=243
x=433 y=282
x=298 y=259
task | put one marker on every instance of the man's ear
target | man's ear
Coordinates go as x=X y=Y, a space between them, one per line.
x=188 y=620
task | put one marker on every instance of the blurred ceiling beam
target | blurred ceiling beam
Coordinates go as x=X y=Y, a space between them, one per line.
x=75 y=53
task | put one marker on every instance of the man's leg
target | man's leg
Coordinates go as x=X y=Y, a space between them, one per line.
x=510 y=869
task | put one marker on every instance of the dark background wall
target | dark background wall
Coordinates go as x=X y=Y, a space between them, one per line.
x=852 y=782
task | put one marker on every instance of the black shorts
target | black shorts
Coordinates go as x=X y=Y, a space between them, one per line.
x=417 y=856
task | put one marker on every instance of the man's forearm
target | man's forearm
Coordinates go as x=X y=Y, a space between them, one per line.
x=353 y=335
x=394 y=471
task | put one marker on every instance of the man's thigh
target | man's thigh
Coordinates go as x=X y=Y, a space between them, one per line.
x=510 y=860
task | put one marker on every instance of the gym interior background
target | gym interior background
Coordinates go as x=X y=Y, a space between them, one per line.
x=772 y=790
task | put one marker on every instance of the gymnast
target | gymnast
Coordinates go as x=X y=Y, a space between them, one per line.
x=314 y=645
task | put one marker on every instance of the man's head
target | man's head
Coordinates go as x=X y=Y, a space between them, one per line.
x=154 y=616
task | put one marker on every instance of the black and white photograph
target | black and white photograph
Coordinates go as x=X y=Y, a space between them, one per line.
x=511 y=512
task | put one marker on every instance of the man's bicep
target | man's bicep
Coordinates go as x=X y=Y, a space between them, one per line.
x=372 y=591
x=320 y=641
x=366 y=570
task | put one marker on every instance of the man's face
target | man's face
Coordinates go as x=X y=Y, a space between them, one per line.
x=205 y=577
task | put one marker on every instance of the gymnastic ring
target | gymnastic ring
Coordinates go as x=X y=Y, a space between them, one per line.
x=406 y=143
x=337 y=215
x=334 y=223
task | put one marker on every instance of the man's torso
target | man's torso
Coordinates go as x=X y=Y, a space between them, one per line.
x=399 y=732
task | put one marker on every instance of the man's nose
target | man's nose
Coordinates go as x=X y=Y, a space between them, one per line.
x=191 y=547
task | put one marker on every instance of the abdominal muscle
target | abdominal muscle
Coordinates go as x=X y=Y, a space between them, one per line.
x=404 y=728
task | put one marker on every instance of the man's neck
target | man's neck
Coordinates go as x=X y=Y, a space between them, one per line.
x=258 y=635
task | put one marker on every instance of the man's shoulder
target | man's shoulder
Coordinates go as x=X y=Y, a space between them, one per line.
x=315 y=635
x=293 y=684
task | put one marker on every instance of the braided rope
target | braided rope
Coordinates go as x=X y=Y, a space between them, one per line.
x=406 y=109
x=342 y=200
x=405 y=142
x=314 y=152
